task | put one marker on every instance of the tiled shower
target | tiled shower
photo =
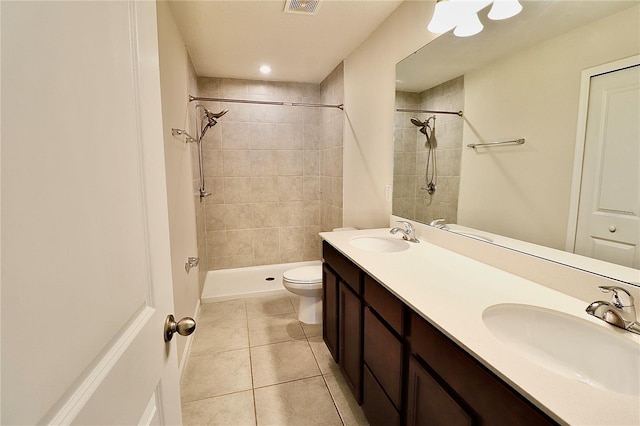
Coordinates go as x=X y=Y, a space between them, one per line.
x=410 y=200
x=274 y=172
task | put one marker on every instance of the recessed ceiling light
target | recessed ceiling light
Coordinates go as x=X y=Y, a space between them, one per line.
x=265 y=69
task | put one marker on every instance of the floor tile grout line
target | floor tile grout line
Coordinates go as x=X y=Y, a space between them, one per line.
x=333 y=399
x=215 y=396
x=253 y=389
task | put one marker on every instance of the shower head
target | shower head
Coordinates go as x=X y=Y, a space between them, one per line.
x=213 y=118
x=423 y=125
x=418 y=123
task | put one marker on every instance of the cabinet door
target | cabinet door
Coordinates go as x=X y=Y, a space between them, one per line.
x=376 y=406
x=330 y=310
x=351 y=339
x=383 y=356
x=429 y=404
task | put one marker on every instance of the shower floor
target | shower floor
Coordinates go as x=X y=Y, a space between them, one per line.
x=253 y=281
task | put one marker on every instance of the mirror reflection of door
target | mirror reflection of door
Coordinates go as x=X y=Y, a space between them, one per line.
x=608 y=223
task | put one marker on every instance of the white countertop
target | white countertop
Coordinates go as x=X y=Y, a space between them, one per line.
x=452 y=291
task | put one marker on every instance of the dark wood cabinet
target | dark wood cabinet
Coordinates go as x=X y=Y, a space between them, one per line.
x=330 y=285
x=342 y=315
x=493 y=401
x=429 y=403
x=383 y=356
x=400 y=368
x=351 y=339
x=376 y=406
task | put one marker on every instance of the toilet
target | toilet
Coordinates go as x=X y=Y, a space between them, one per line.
x=306 y=282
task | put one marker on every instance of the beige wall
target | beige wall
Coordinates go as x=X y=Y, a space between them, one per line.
x=261 y=165
x=369 y=85
x=517 y=97
x=174 y=80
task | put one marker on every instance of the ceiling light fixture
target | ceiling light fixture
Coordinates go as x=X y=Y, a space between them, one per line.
x=462 y=15
x=265 y=69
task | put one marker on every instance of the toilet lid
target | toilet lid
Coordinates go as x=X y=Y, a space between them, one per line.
x=305 y=274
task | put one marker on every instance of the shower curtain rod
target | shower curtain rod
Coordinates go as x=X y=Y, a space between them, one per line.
x=429 y=111
x=247 y=101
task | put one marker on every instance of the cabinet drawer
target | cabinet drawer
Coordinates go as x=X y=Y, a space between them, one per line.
x=349 y=272
x=429 y=404
x=381 y=300
x=375 y=404
x=493 y=400
x=383 y=356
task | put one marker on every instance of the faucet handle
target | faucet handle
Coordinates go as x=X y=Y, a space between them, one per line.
x=436 y=222
x=621 y=297
x=407 y=225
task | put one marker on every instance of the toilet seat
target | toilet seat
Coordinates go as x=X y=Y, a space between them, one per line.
x=306 y=275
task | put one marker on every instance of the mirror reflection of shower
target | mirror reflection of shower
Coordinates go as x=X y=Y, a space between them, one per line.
x=210 y=119
x=428 y=129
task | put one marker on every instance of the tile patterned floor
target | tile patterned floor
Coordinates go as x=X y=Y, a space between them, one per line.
x=253 y=363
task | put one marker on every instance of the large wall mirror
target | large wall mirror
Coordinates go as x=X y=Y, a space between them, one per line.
x=521 y=79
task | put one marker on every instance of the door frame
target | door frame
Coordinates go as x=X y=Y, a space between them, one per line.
x=578 y=157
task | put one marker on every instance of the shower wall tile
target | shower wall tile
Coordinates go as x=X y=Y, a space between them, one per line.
x=290 y=162
x=312 y=213
x=237 y=190
x=311 y=137
x=311 y=165
x=311 y=188
x=236 y=135
x=208 y=87
x=240 y=242
x=265 y=215
x=264 y=136
x=212 y=163
x=289 y=114
x=291 y=213
x=236 y=163
x=262 y=114
x=264 y=163
x=213 y=138
x=238 y=216
x=231 y=87
x=264 y=189
x=290 y=188
x=262 y=166
x=290 y=136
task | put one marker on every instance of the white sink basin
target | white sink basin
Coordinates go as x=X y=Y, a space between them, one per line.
x=568 y=345
x=379 y=244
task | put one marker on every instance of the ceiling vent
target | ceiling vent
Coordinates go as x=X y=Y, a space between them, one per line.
x=305 y=7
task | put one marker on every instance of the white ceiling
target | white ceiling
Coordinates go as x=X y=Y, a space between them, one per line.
x=233 y=38
x=449 y=56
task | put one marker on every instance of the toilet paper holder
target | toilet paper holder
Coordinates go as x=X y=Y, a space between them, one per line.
x=192 y=262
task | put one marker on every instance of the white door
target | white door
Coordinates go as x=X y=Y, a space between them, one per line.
x=86 y=276
x=608 y=224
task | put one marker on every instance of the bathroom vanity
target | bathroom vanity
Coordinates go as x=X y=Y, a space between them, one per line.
x=405 y=324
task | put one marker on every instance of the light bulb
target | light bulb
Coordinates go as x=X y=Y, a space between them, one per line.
x=503 y=9
x=265 y=69
x=469 y=24
x=444 y=17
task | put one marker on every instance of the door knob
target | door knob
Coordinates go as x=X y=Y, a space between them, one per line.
x=184 y=327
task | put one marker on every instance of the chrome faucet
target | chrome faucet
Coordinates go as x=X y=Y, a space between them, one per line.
x=621 y=312
x=439 y=223
x=408 y=233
